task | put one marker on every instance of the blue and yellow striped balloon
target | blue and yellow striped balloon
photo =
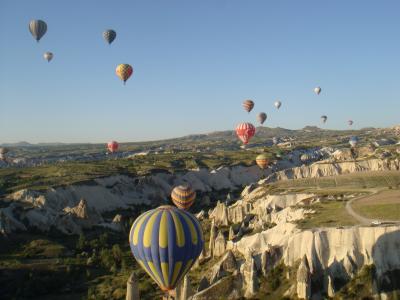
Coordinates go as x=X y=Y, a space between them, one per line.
x=166 y=242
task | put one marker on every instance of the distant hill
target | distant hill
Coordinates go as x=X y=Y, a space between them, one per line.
x=262 y=133
x=19 y=144
x=311 y=129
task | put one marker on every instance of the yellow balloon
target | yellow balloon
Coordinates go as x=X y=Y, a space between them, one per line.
x=124 y=71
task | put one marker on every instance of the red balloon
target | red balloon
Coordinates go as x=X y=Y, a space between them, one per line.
x=112 y=146
x=245 y=131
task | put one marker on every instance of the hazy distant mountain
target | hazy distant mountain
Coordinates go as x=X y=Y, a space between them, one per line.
x=311 y=128
x=19 y=144
x=51 y=144
x=230 y=135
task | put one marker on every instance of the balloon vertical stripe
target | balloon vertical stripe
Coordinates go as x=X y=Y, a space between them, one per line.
x=180 y=237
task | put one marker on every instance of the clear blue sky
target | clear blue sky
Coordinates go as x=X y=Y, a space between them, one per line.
x=195 y=62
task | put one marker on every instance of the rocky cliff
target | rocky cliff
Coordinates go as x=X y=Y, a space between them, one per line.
x=323 y=169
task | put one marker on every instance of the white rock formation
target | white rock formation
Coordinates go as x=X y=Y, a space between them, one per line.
x=213 y=236
x=228 y=262
x=184 y=290
x=220 y=214
x=323 y=169
x=116 y=224
x=250 y=278
x=132 y=288
x=330 y=289
x=219 y=245
x=269 y=258
x=324 y=246
x=231 y=235
x=201 y=215
x=303 y=280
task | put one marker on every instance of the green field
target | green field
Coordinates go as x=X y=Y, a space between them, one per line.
x=380 y=211
x=383 y=206
x=328 y=213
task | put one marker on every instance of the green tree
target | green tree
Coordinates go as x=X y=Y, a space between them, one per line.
x=106 y=258
x=81 y=244
x=103 y=240
x=117 y=253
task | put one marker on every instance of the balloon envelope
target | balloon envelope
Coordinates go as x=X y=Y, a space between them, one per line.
x=324 y=118
x=262 y=161
x=124 y=71
x=261 y=117
x=278 y=104
x=350 y=122
x=166 y=242
x=4 y=150
x=305 y=157
x=48 y=56
x=109 y=35
x=248 y=105
x=112 y=146
x=183 y=196
x=37 y=28
x=245 y=131
x=317 y=90
x=353 y=141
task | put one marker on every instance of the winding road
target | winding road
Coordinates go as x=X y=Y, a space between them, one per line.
x=359 y=218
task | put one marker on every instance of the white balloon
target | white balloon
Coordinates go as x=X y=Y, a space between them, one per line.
x=317 y=90
x=48 y=56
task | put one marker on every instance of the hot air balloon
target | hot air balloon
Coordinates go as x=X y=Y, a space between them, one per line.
x=248 y=105
x=350 y=122
x=245 y=131
x=3 y=153
x=183 y=196
x=261 y=117
x=37 y=28
x=305 y=157
x=275 y=140
x=317 y=90
x=262 y=160
x=324 y=118
x=48 y=56
x=124 y=71
x=109 y=35
x=277 y=104
x=112 y=146
x=353 y=141
x=166 y=242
